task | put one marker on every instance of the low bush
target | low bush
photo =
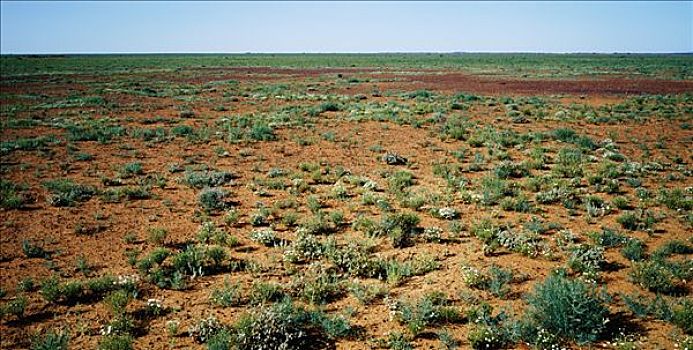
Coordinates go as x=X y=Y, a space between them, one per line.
x=634 y=250
x=51 y=340
x=209 y=178
x=655 y=276
x=287 y=326
x=65 y=192
x=13 y=196
x=213 y=199
x=431 y=309
x=570 y=309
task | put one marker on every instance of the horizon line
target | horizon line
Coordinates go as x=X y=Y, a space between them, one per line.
x=347 y=53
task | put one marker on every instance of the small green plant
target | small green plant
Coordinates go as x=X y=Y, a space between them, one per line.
x=213 y=199
x=430 y=310
x=399 y=181
x=13 y=196
x=209 y=178
x=634 y=250
x=51 y=340
x=262 y=132
x=131 y=169
x=683 y=316
x=228 y=295
x=655 y=276
x=157 y=235
x=266 y=237
x=116 y=342
x=15 y=307
x=32 y=250
x=232 y=217
x=65 y=193
x=287 y=326
x=400 y=227
x=638 y=220
x=265 y=292
x=608 y=238
x=586 y=259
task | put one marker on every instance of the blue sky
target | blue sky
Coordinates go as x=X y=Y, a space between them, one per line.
x=100 y=27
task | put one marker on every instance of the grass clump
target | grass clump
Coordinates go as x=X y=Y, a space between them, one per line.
x=32 y=250
x=494 y=280
x=399 y=181
x=116 y=342
x=634 y=250
x=655 y=276
x=15 y=307
x=209 y=178
x=400 y=227
x=608 y=238
x=65 y=192
x=51 y=340
x=213 y=199
x=262 y=132
x=431 y=309
x=13 y=196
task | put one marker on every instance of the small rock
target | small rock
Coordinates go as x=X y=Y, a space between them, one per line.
x=394 y=159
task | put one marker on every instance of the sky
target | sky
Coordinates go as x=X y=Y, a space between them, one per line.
x=229 y=27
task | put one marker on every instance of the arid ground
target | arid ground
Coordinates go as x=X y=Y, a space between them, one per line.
x=385 y=202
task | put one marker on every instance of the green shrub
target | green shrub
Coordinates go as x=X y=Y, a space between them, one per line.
x=634 y=250
x=564 y=134
x=50 y=340
x=262 y=132
x=683 y=316
x=676 y=199
x=65 y=192
x=507 y=170
x=209 y=178
x=488 y=331
x=266 y=237
x=228 y=295
x=621 y=203
x=15 y=307
x=131 y=169
x=12 y=196
x=157 y=235
x=50 y=289
x=286 y=326
x=657 y=307
x=400 y=228
x=642 y=220
x=587 y=259
x=672 y=247
x=264 y=292
x=355 y=260
x=32 y=250
x=190 y=262
x=367 y=294
x=431 y=309
x=655 y=276
x=608 y=238
x=495 y=280
x=400 y=180
x=213 y=199
x=27 y=144
x=318 y=285
x=116 y=342
x=304 y=248
x=568 y=308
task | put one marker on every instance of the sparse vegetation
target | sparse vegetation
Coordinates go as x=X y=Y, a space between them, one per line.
x=158 y=201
